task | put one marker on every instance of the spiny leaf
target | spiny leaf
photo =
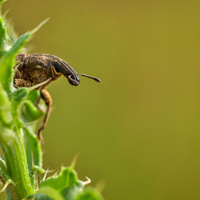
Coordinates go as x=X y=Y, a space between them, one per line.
x=71 y=192
x=7 y=62
x=66 y=178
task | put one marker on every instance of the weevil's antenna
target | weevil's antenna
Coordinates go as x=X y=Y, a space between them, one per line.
x=94 y=78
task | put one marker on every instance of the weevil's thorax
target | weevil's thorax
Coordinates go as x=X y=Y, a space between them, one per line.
x=37 y=67
x=33 y=68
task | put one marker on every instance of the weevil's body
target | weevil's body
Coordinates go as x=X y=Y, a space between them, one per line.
x=33 y=69
x=37 y=68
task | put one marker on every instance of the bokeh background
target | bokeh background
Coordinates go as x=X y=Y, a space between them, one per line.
x=139 y=130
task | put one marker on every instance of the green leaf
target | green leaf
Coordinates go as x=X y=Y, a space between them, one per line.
x=5 y=114
x=71 y=192
x=7 y=135
x=48 y=192
x=89 y=194
x=30 y=113
x=7 y=62
x=3 y=36
x=18 y=96
x=66 y=178
x=33 y=154
x=33 y=148
x=3 y=170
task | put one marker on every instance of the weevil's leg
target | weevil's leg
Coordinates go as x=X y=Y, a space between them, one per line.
x=48 y=101
x=37 y=104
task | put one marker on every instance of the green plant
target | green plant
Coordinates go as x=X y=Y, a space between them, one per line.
x=21 y=159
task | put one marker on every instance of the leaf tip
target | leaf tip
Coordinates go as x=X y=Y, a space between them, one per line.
x=74 y=161
x=39 y=26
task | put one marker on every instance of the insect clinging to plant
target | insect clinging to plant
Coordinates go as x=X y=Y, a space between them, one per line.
x=33 y=69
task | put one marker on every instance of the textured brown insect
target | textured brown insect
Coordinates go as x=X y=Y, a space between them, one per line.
x=33 y=69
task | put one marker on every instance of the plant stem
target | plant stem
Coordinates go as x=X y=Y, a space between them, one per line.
x=14 y=153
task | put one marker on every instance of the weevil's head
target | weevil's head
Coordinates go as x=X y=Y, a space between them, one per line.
x=65 y=69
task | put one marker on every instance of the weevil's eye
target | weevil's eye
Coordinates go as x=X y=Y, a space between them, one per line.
x=56 y=66
x=73 y=80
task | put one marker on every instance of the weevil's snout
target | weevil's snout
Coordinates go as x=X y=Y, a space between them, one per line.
x=73 y=80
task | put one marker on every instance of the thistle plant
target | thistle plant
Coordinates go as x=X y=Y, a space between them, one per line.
x=21 y=158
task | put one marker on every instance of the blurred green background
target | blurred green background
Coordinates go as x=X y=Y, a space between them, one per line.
x=138 y=131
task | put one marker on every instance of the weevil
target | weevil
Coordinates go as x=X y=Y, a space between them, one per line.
x=33 y=69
